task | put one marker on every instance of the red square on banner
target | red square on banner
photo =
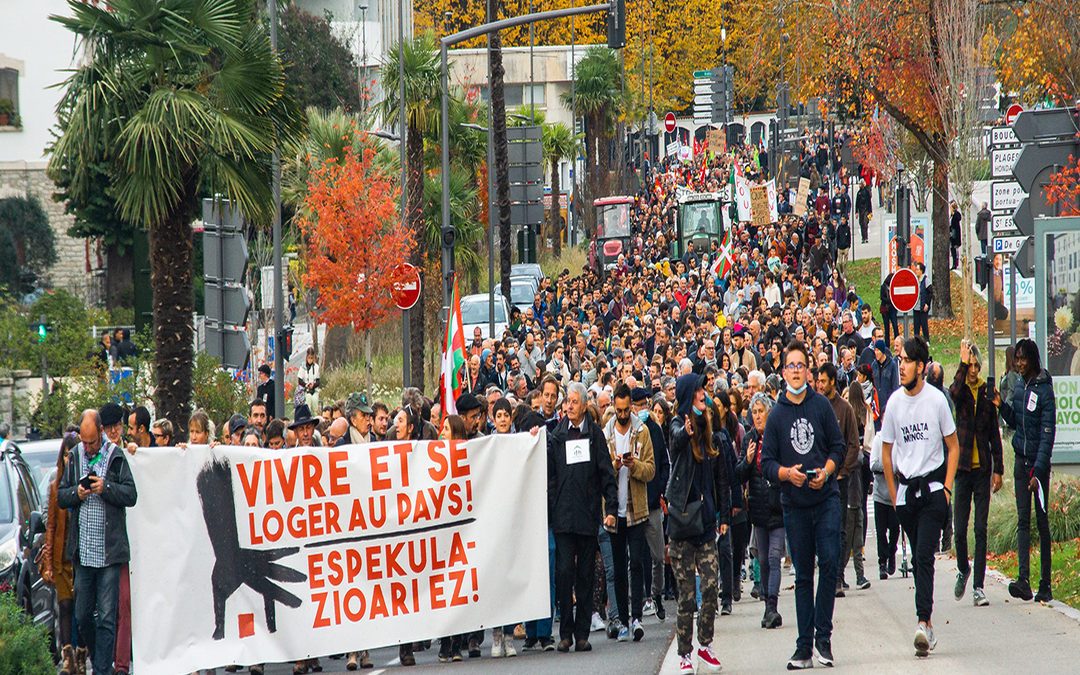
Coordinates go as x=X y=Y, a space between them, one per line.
x=247 y=625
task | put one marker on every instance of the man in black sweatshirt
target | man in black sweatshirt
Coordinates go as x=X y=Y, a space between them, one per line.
x=802 y=448
x=654 y=527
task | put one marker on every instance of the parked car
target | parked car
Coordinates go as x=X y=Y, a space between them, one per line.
x=40 y=456
x=22 y=535
x=527 y=270
x=474 y=313
x=522 y=291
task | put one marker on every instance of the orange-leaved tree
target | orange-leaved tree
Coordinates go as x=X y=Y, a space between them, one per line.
x=355 y=243
x=1064 y=189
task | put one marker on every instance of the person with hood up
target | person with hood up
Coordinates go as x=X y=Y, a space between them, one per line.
x=802 y=448
x=699 y=507
x=886 y=377
x=1031 y=412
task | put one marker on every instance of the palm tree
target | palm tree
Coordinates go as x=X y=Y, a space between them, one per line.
x=422 y=92
x=599 y=98
x=185 y=95
x=559 y=142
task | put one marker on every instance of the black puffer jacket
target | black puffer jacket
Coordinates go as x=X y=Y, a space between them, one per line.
x=762 y=497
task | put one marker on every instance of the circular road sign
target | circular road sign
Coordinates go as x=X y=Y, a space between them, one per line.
x=407 y=291
x=669 y=122
x=904 y=290
x=1012 y=113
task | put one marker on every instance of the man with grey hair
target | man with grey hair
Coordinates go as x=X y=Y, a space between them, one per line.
x=580 y=472
x=686 y=366
x=755 y=382
x=98 y=487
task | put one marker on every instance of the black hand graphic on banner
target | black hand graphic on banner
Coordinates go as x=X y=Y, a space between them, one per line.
x=234 y=565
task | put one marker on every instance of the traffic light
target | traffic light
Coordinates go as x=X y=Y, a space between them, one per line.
x=42 y=332
x=616 y=24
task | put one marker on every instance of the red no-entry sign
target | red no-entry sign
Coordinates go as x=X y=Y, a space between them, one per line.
x=407 y=291
x=1012 y=113
x=904 y=290
x=669 y=122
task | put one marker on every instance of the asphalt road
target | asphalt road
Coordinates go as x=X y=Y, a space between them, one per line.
x=607 y=657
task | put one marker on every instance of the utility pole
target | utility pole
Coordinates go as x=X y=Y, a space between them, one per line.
x=571 y=205
x=406 y=361
x=279 y=314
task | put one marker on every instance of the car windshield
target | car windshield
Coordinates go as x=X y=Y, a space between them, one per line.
x=699 y=218
x=613 y=221
x=7 y=512
x=476 y=311
x=521 y=294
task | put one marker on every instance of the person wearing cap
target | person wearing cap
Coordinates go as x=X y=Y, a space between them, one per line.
x=630 y=448
x=886 y=377
x=112 y=422
x=581 y=483
x=235 y=429
x=265 y=391
x=358 y=411
x=980 y=468
x=802 y=448
x=470 y=409
x=742 y=355
x=654 y=526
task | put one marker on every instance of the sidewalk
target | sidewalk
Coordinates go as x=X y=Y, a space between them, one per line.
x=873 y=630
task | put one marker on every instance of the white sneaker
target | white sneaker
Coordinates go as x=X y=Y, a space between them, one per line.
x=648 y=608
x=597 y=622
x=924 y=640
x=508 y=645
x=686 y=664
x=496 y=643
x=637 y=629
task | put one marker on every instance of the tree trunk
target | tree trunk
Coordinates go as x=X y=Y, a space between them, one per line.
x=414 y=161
x=591 y=184
x=502 y=169
x=368 y=366
x=171 y=279
x=603 y=156
x=335 y=347
x=119 y=278
x=942 y=277
x=556 y=223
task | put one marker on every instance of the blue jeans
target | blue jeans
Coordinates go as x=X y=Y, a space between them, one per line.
x=814 y=534
x=604 y=540
x=541 y=628
x=96 y=590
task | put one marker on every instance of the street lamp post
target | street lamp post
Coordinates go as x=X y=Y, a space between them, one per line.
x=279 y=314
x=491 y=220
x=406 y=361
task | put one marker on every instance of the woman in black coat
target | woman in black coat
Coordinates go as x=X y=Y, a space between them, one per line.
x=766 y=513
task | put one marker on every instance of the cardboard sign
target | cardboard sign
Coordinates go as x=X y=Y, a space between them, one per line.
x=799 y=207
x=249 y=555
x=715 y=138
x=759 y=205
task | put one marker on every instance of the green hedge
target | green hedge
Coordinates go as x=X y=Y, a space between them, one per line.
x=24 y=647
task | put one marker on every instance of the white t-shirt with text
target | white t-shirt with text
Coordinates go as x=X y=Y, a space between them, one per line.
x=916 y=426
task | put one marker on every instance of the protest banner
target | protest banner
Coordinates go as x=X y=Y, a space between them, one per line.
x=246 y=555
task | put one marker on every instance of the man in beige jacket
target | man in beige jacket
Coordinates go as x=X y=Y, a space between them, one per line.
x=630 y=447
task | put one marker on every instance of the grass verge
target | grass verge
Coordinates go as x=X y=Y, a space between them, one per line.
x=1064 y=575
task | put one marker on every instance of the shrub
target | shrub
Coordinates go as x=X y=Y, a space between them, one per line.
x=215 y=391
x=24 y=647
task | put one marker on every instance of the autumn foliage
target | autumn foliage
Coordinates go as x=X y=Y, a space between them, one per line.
x=354 y=240
x=1064 y=189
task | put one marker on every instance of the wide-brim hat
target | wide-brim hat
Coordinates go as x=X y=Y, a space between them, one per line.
x=303 y=416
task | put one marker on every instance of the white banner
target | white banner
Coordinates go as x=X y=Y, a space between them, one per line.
x=246 y=555
x=742 y=198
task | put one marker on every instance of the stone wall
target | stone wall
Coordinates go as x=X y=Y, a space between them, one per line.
x=80 y=265
x=15 y=397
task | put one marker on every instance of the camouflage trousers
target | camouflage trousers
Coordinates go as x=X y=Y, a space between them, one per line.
x=688 y=561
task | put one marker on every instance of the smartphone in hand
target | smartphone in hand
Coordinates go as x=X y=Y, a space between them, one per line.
x=85 y=482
